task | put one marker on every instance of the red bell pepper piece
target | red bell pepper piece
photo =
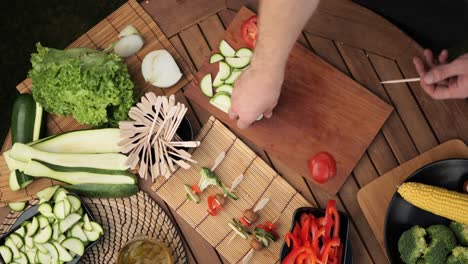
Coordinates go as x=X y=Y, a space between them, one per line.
x=336 y=223
x=213 y=206
x=297 y=230
x=327 y=247
x=329 y=219
x=296 y=241
x=196 y=189
x=267 y=229
x=305 y=231
x=306 y=258
x=303 y=217
x=316 y=234
x=244 y=222
x=292 y=256
x=270 y=225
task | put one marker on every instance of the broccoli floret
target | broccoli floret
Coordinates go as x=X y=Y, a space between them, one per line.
x=412 y=244
x=442 y=241
x=459 y=256
x=208 y=178
x=435 y=253
x=461 y=232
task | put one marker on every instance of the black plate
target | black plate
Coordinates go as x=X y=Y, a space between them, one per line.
x=30 y=213
x=317 y=212
x=401 y=215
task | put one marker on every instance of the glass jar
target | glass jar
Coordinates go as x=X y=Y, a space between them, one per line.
x=144 y=251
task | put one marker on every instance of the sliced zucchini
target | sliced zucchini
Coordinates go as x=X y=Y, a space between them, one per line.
x=6 y=253
x=32 y=227
x=21 y=231
x=75 y=202
x=41 y=248
x=74 y=244
x=222 y=101
x=244 y=52
x=61 y=238
x=28 y=241
x=60 y=195
x=43 y=235
x=223 y=73
x=232 y=78
x=46 y=194
x=191 y=195
x=32 y=255
x=17 y=207
x=235 y=229
x=63 y=253
x=43 y=221
x=225 y=88
x=206 y=86
x=216 y=57
x=55 y=231
x=22 y=259
x=67 y=206
x=97 y=227
x=44 y=258
x=226 y=49
x=23 y=179
x=80 y=211
x=11 y=245
x=17 y=240
x=238 y=63
x=59 y=210
x=110 y=161
x=92 y=235
x=46 y=210
x=13 y=181
x=69 y=221
x=53 y=253
x=77 y=232
x=78 y=175
x=86 y=223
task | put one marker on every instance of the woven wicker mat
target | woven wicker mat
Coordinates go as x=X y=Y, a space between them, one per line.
x=124 y=219
x=260 y=181
x=100 y=36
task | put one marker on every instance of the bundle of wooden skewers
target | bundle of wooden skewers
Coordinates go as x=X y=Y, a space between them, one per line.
x=150 y=139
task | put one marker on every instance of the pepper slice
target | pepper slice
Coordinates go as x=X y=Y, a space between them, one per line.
x=244 y=222
x=305 y=231
x=196 y=189
x=306 y=258
x=327 y=247
x=328 y=223
x=213 y=206
x=297 y=230
x=267 y=229
x=292 y=256
x=296 y=241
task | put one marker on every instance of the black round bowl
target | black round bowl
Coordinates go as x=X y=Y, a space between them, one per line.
x=317 y=212
x=401 y=215
x=185 y=130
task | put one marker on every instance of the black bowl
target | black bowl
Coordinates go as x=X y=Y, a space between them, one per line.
x=30 y=213
x=317 y=212
x=401 y=215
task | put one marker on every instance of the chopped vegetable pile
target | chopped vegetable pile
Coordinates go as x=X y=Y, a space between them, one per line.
x=91 y=85
x=316 y=240
x=436 y=244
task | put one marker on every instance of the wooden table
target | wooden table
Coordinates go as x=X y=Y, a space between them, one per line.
x=362 y=45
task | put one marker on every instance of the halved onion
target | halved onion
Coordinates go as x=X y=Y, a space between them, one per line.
x=128 y=45
x=160 y=69
x=129 y=30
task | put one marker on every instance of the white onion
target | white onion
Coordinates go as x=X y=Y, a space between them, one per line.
x=160 y=69
x=129 y=30
x=128 y=45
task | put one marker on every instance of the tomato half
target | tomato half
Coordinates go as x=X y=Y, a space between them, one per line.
x=196 y=189
x=249 y=31
x=322 y=167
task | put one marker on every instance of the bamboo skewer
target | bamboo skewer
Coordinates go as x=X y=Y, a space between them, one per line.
x=148 y=138
x=234 y=185
x=402 y=80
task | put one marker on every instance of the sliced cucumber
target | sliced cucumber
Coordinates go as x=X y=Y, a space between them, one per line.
x=46 y=210
x=41 y=248
x=223 y=73
x=67 y=206
x=205 y=85
x=110 y=161
x=13 y=181
x=32 y=227
x=74 y=244
x=11 y=245
x=44 y=258
x=97 y=227
x=233 y=77
x=75 y=202
x=46 y=194
x=32 y=255
x=238 y=63
x=226 y=49
x=235 y=229
x=225 y=88
x=86 y=141
x=68 y=222
x=77 y=232
x=79 y=175
x=216 y=57
x=55 y=231
x=53 y=253
x=63 y=253
x=43 y=235
x=21 y=231
x=92 y=235
x=244 y=52
x=43 y=221
x=22 y=259
x=192 y=196
x=17 y=207
x=59 y=210
x=60 y=195
x=28 y=241
x=61 y=238
x=222 y=101
x=17 y=240
x=80 y=211
x=6 y=254
x=86 y=223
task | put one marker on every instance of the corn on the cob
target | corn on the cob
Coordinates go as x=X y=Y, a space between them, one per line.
x=437 y=200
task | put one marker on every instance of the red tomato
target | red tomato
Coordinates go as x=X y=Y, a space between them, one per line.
x=249 y=31
x=196 y=189
x=322 y=167
x=244 y=222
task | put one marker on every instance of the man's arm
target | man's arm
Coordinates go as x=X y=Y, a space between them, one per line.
x=257 y=90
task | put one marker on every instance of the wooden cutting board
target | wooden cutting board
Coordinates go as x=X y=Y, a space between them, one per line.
x=320 y=109
x=375 y=197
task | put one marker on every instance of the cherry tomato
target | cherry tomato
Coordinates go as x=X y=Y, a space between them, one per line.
x=322 y=167
x=196 y=189
x=249 y=31
x=244 y=222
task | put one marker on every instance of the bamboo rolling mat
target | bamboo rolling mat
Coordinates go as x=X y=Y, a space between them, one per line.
x=260 y=181
x=99 y=37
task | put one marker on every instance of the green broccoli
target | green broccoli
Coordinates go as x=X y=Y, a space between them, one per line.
x=442 y=241
x=208 y=178
x=412 y=244
x=461 y=232
x=459 y=256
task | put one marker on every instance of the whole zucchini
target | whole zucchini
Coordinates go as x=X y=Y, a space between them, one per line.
x=103 y=190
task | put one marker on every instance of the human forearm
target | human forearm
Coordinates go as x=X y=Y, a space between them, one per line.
x=280 y=23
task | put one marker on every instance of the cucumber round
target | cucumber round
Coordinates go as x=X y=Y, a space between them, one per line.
x=226 y=49
x=225 y=88
x=216 y=57
x=103 y=190
x=238 y=62
x=17 y=207
x=233 y=77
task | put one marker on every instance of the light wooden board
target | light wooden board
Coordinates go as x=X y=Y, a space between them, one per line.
x=320 y=109
x=260 y=181
x=375 y=197
x=101 y=36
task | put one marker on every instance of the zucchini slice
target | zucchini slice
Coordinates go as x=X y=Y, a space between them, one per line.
x=6 y=253
x=222 y=101
x=223 y=74
x=32 y=227
x=13 y=181
x=68 y=222
x=191 y=195
x=21 y=231
x=225 y=88
x=77 y=232
x=238 y=63
x=74 y=245
x=232 y=78
x=244 y=52
x=53 y=253
x=43 y=235
x=235 y=229
x=26 y=119
x=216 y=57
x=226 y=49
x=46 y=194
x=46 y=210
x=62 y=253
x=17 y=207
x=75 y=202
x=205 y=85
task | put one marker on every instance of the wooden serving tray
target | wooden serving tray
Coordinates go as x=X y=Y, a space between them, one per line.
x=320 y=109
x=99 y=37
x=375 y=197
x=260 y=181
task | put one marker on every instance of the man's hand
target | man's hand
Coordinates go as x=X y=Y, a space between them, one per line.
x=441 y=79
x=256 y=92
